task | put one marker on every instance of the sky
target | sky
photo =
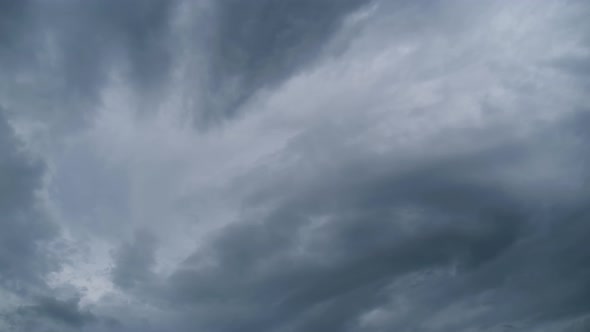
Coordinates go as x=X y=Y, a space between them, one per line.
x=294 y=165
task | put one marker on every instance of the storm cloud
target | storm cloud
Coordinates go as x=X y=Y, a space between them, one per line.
x=24 y=227
x=294 y=165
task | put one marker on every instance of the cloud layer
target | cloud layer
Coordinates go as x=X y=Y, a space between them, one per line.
x=300 y=165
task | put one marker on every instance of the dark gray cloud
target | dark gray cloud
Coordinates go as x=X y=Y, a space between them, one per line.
x=70 y=49
x=11 y=11
x=258 y=44
x=73 y=47
x=66 y=312
x=134 y=261
x=25 y=229
x=423 y=170
x=51 y=313
x=328 y=254
x=93 y=36
x=27 y=235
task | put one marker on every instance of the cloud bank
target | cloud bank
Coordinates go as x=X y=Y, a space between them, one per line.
x=294 y=165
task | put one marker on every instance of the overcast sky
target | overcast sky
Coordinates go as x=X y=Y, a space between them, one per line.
x=294 y=165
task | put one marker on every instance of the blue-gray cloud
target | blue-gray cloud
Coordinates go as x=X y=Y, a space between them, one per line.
x=447 y=215
x=26 y=230
x=294 y=165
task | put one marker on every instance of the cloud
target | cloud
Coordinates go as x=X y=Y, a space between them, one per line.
x=324 y=257
x=134 y=261
x=66 y=312
x=26 y=230
x=294 y=166
x=249 y=53
x=29 y=239
x=69 y=50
